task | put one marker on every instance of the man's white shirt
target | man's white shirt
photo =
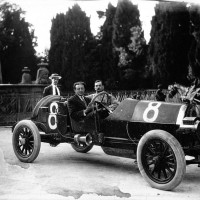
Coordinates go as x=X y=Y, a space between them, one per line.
x=55 y=89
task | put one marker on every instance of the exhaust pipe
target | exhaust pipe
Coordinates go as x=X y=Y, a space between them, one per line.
x=78 y=138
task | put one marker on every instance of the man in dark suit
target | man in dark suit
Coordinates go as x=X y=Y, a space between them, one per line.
x=81 y=112
x=78 y=104
x=160 y=96
x=53 y=88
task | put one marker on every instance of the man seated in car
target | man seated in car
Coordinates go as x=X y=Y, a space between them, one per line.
x=80 y=110
x=78 y=104
x=160 y=96
x=108 y=100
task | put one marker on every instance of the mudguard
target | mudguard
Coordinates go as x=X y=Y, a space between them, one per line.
x=45 y=101
x=132 y=110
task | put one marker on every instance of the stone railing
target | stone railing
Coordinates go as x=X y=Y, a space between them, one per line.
x=17 y=101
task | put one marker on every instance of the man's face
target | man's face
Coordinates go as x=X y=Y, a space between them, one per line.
x=79 y=89
x=55 y=81
x=98 y=86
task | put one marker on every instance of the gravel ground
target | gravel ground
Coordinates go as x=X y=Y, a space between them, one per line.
x=60 y=173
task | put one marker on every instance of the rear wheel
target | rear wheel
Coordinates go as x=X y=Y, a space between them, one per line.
x=161 y=160
x=26 y=141
x=81 y=147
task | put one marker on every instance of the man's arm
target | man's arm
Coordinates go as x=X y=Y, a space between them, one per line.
x=45 y=92
x=114 y=103
x=90 y=96
x=114 y=100
x=74 y=113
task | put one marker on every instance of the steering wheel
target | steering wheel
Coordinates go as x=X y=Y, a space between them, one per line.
x=103 y=94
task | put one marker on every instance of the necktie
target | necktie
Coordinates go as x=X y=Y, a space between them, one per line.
x=58 y=91
x=83 y=99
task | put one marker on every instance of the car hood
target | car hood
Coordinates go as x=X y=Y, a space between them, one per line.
x=149 y=112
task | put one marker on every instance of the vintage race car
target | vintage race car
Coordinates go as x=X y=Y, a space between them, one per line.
x=159 y=135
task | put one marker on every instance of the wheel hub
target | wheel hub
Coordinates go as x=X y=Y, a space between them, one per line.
x=156 y=159
x=22 y=141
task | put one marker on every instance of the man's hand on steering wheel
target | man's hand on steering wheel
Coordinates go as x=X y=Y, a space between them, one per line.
x=89 y=108
x=102 y=105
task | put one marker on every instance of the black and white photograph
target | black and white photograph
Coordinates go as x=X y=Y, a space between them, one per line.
x=99 y=99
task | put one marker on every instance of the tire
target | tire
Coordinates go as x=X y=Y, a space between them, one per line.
x=26 y=141
x=161 y=160
x=44 y=102
x=81 y=148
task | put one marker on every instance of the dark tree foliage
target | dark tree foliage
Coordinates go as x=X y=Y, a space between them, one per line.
x=17 y=43
x=70 y=46
x=109 y=56
x=57 y=39
x=126 y=17
x=194 y=53
x=129 y=42
x=169 y=44
x=103 y=58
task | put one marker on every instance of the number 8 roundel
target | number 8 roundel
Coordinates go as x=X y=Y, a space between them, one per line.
x=153 y=109
x=52 y=119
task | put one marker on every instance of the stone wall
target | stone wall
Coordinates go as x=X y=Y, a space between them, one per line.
x=21 y=88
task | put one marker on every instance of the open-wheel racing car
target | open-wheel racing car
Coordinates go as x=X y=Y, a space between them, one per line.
x=158 y=134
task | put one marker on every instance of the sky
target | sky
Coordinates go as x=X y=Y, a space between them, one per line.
x=40 y=13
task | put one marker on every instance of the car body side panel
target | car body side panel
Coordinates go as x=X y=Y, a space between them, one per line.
x=116 y=123
x=133 y=118
x=131 y=110
x=156 y=112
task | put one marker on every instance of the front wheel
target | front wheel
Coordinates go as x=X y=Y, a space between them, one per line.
x=161 y=160
x=26 y=141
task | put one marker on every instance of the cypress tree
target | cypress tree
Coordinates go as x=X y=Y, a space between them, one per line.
x=17 y=42
x=69 y=45
x=169 y=43
x=129 y=42
x=194 y=53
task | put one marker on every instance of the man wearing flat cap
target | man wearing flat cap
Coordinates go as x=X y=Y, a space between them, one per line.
x=53 y=88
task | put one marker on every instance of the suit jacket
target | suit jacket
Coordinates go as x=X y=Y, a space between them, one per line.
x=160 y=96
x=48 y=91
x=76 y=107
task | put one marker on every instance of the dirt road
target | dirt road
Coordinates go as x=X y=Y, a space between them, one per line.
x=60 y=173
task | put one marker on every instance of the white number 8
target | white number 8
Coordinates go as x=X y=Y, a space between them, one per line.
x=151 y=108
x=52 y=115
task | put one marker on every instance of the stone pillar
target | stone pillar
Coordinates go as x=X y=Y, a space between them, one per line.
x=42 y=74
x=26 y=77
